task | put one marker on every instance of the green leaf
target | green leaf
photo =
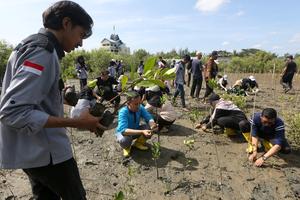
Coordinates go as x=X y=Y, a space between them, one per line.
x=149 y=64
x=156 y=74
x=151 y=82
x=212 y=83
x=119 y=196
x=148 y=74
x=124 y=81
x=170 y=72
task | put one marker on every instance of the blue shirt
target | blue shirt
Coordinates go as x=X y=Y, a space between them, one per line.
x=275 y=132
x=128 y=119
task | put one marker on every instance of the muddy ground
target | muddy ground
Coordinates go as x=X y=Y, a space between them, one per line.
x=216 y=168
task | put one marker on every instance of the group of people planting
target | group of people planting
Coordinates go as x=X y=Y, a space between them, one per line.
x=225 y=117
x=32 y=122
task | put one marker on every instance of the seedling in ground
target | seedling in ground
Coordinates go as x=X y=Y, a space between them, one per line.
x=155 y=155
x=119 y=196
x=190 y=144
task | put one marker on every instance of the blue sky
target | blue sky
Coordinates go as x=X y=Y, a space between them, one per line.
x=161 y=25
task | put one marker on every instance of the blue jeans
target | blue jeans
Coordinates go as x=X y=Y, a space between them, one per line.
x=180 y=89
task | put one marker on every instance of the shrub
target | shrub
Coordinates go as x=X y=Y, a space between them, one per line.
x=239 y=101
x=292 y=121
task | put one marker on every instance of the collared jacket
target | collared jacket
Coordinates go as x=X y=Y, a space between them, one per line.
x=276 y=132
x=180 y=73
x=211 y=69
x=31 y=94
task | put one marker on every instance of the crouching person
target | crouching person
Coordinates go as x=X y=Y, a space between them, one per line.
x=226 y=115
x=129 y=128
x=269 y=129
x=164 y=113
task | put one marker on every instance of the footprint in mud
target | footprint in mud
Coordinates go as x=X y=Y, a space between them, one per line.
x=262 y=192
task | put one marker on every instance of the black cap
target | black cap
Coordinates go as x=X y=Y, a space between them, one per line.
x=187 y=58
x=214 y=53
x=213 y=97
x=155 y=101
x=290 y=57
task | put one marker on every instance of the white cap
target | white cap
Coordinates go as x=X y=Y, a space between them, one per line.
x=225 y=77
x=136 y=88
x=120 y=78
x=252 y=78
x=154 y=88
x=198 y=53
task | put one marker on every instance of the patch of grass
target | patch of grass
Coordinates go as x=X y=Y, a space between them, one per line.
x=292 y=121
x=239 y=101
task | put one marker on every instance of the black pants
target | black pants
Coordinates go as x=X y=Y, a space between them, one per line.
x=287 y=81
x=83 y=83
x=56 y=181
x=208 y=90
x=189 y=79
x=238 y=121
x=162 y=123
x=196 y=85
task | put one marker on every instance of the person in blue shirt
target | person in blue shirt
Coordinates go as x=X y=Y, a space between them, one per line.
x=129 y=127
x=269 y=128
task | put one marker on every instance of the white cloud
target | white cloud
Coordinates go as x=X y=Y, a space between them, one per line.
x=276 y=47
x=257 y=46
x=295 y=38
x=240 y=13
x=225 y=43
x=209 y=5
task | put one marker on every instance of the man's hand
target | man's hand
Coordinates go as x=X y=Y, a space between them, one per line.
x=259 y=162
x=89 y=122
x=147 y=133
x=153 y=126
x=198 y=126
x=252 y=157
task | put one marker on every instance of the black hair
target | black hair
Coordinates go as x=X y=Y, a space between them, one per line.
x=187 y=58
x=213 y=97
x=269 y=113
x=104 y=72
x=54 y=15
x=112 y=63
x=214 y=53
x=132 y=95
x=80 y=60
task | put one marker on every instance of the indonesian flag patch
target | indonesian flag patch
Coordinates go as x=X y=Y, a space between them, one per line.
x=32 y=67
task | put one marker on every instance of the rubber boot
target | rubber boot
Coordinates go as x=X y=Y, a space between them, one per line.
x=267 y=145
x=247 y=136
x=229 y=132
x=140 y=143
x=126 y=152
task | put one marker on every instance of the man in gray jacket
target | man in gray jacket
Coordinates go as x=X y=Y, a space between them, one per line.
x=32 y=127
x=180 y=81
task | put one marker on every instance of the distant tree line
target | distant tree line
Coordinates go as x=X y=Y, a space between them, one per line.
x=247 y=60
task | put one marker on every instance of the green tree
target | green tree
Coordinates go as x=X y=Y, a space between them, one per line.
x=5 y=51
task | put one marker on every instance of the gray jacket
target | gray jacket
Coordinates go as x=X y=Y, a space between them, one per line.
x=180 y=73
x=29 y=95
